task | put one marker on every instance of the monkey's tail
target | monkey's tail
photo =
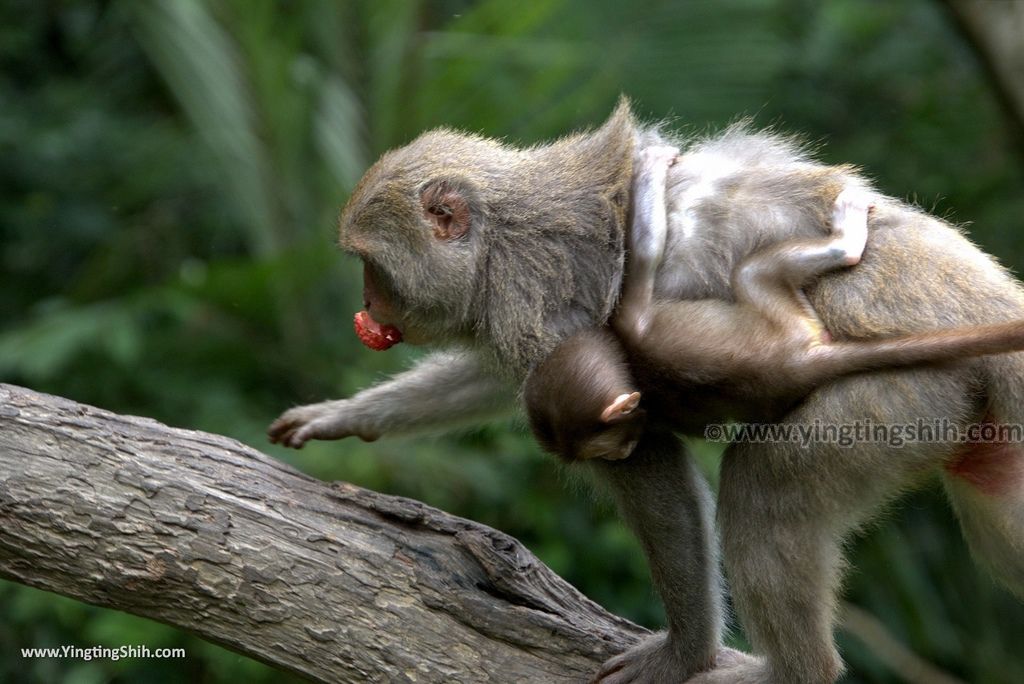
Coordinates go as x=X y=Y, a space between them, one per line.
x=843 y=358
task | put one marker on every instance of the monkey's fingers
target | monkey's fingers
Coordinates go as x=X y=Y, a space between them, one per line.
x=732 y=666
x=280 y=429
x=325 y=427
x=287 y=438
x=291 y=431
x=296 y=439
x=299 y=434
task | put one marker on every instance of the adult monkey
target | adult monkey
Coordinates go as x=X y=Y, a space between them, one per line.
x=500 y=253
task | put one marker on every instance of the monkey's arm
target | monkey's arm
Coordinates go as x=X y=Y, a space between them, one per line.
x=443 y=390
x=646 y=239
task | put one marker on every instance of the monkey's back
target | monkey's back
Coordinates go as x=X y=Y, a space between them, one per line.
x=732 y=194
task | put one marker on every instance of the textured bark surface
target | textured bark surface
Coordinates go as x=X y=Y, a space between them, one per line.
x=331 y=581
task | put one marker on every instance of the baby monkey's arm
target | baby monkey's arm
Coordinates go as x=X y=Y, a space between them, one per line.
x=645 y=241
x=582 y=400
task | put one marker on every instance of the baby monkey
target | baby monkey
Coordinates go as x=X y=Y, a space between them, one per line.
x=708 y=361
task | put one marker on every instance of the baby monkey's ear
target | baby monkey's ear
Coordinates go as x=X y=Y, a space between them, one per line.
x=621 y=408
x=447 y=208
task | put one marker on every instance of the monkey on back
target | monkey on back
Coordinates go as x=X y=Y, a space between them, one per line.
x=499 y=254
x=709 y=361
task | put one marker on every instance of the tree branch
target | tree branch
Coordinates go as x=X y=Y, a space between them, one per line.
x=330 y=581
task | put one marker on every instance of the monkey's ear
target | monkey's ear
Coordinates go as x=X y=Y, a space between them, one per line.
x=621 y=408
x=446 y=208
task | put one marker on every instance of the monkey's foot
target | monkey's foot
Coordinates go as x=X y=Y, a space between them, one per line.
x=850 y=223
x=734 y=667
x=652 y=661
x=326 y=420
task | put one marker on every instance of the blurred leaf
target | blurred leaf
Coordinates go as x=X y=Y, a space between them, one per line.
x=170 y=177
x=202 y=67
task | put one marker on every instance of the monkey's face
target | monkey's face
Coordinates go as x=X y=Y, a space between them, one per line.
x=416 y=224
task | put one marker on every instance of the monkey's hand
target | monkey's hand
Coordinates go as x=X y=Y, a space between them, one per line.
x=326 y=420
x=656 y=660
x=443 y=390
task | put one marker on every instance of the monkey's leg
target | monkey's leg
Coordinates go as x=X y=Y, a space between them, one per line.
x=647 y=235
x=770 y=279
x=441 y=391
x=985 y=482
x=785 y=510
x=666 y=502
x=784 y=572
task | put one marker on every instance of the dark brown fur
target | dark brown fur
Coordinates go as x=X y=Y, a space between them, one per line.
x=567 y=392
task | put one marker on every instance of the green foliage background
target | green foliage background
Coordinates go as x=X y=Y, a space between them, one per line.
x=170 y=173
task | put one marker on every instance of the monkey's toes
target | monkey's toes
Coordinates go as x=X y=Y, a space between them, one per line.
x=850 y=223
x=649 y=662
x=851 y=205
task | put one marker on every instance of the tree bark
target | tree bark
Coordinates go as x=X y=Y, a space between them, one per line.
x=329 y=581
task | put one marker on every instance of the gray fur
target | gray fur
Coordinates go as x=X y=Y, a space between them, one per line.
x=483 y=289
x=784 y=511
x=666 y=502
x=545 y=259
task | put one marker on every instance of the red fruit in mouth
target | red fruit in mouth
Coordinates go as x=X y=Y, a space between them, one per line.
x=374 y=335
